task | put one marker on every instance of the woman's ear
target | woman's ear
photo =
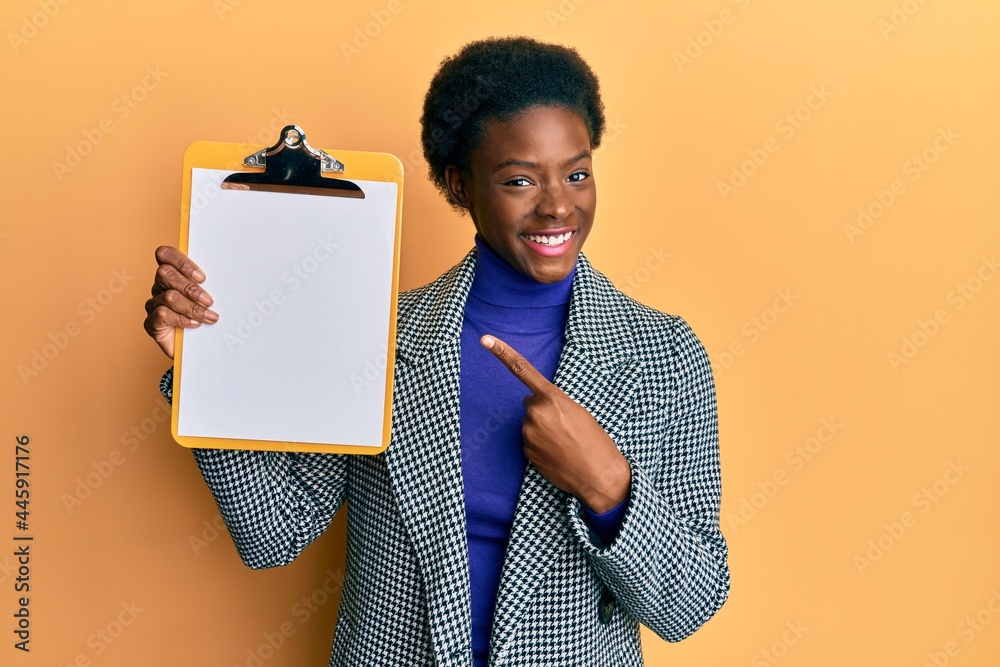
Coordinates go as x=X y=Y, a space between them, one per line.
x=458 y=186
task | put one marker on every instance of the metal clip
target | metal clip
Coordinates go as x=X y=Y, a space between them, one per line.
x=292 y=137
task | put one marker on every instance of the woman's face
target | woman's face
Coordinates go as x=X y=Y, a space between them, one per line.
x=531 y=192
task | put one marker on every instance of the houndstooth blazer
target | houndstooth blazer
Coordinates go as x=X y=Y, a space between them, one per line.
x=564 y=598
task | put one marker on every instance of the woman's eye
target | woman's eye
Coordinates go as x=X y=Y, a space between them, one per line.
x=518 y=182
x=578 y=176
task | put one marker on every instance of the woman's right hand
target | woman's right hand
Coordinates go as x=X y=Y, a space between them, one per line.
x=178 y=298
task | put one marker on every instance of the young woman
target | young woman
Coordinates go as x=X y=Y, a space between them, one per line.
x=553 y=475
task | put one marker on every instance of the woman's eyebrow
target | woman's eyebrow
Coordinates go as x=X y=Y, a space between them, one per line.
x=513 y=162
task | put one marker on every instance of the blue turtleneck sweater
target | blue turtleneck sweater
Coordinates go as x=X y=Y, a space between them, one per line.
x=531 y=317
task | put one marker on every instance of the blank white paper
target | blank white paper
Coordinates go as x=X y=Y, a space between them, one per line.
x=303 y=288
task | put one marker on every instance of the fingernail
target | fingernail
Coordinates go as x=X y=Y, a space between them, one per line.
x=198 y=275
x=211 y=316
x=205 y=298
x=488 y=342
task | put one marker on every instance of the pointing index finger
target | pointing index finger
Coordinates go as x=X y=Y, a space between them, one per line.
x=517 y=365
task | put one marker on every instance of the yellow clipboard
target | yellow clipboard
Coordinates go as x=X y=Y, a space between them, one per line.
x=302 y=260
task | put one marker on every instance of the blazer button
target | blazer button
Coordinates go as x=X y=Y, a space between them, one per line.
x=606 y=607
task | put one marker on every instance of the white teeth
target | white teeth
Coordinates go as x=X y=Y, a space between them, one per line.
x=551 y=240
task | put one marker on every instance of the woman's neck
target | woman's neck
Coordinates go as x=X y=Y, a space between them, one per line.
x=498 y=283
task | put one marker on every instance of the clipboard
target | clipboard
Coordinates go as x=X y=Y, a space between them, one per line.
x=301 y=254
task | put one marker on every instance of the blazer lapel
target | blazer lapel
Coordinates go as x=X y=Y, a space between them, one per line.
x=424 y=457
x=598 y=370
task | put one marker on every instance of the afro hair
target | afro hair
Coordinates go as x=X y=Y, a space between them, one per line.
x=498 y=79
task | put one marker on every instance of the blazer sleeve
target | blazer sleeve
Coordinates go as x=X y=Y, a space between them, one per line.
x=274 y=503
x=667 y=566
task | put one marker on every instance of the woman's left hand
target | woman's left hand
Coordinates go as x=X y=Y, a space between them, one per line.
x=564 y=441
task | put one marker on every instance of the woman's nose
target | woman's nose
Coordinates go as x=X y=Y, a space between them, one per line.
x=553 y=202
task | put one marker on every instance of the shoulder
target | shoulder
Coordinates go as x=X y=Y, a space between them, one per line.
x=653 y=332
x=431 y=313
x=442 y=290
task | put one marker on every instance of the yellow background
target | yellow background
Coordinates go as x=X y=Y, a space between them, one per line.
x=838 y=559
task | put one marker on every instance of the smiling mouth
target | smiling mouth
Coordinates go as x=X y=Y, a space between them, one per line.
x=550 y=240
